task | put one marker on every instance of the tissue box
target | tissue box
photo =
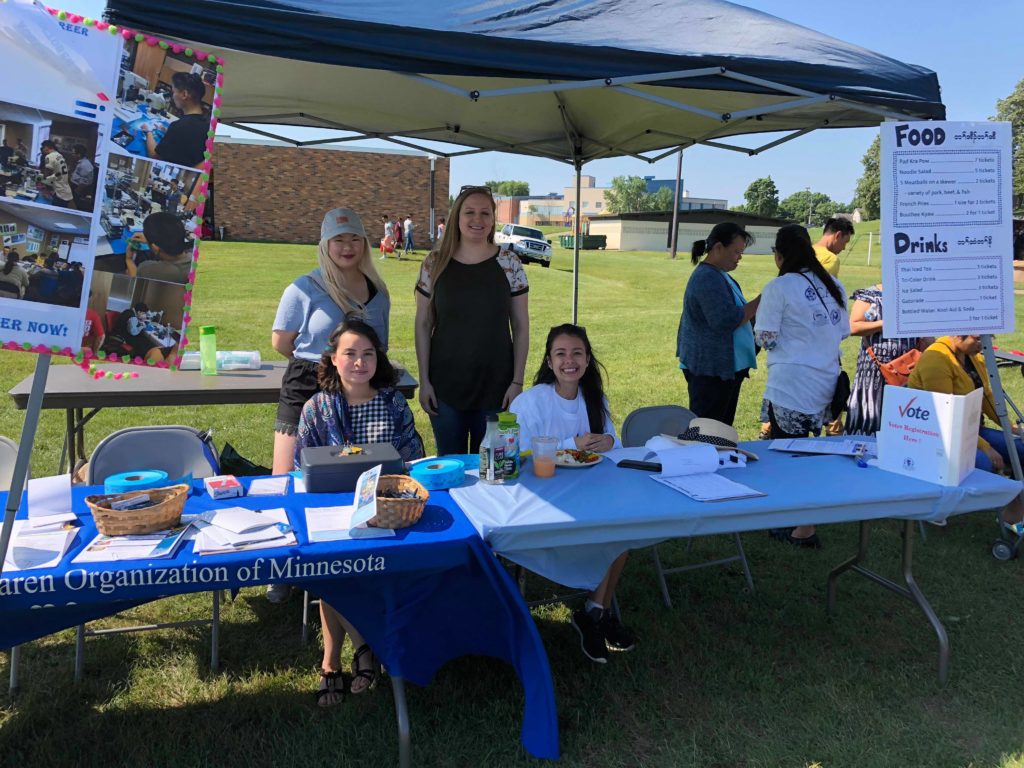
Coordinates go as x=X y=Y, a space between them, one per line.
x=223 y=486
x=325 y=469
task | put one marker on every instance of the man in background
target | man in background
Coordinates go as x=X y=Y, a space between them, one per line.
x=834 y=239
x=407 y=228
x=56 y=177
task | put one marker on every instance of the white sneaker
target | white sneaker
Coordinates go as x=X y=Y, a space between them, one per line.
x=279 y=593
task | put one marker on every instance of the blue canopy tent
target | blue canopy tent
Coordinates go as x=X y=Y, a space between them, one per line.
x=572 y=81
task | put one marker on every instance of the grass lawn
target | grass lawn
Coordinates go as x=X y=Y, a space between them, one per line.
x=722 y=679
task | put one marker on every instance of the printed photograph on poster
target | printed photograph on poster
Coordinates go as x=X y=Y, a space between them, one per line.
x=134 y=318
x=47 y=158
x=146 y=217
x=164 y=104
x=54 y=273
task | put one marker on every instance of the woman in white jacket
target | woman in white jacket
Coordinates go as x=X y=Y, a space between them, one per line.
x=567 y=401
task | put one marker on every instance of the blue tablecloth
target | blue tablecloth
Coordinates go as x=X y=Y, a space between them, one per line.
x=432 y=593
x=137 y=146
x=570 y=528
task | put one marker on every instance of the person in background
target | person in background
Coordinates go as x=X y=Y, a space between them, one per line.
x=357 y=403
x=13 y=277
x=801 y=322
x=715 y=341
x=399 y=239
x=407 y=228
x=440 y=231
x=472 y=326
x=92 y=331
x=387 y=243
x=6 y=154
x=83 y=178
x=131 y=327
x=344 y=285
x=185 y=140
x=55 y=176
x=835 y=236
x=864 y=410
x=567 y=401
x=165 y=236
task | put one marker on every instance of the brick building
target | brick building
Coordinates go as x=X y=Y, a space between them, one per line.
x=270 y=191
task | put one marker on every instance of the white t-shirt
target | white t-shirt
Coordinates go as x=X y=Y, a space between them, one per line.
x=408 y=226
x=542 y=411
x=806 y=325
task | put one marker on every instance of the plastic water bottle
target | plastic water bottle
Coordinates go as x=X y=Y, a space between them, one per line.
x=492 y=453
x=509 y=428
x=871 y=314
x=208 y=350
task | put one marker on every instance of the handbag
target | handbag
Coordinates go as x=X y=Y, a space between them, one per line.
x=841 y=394
x=897 y=371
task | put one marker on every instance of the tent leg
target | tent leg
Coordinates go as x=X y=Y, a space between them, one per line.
x=674 y=234
x=28 y=437
x=1000 y=404
x=576 y=245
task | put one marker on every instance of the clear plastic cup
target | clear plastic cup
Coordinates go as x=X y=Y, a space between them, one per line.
x=544 y=456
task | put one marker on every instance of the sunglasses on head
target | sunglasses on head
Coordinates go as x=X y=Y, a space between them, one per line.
x=473 y=188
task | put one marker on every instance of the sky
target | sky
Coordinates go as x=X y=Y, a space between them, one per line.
x=975 y=48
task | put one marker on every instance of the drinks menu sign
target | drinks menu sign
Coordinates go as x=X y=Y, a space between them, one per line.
x=947 y=228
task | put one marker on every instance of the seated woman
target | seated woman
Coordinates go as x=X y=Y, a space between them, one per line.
x=131 y=329
x=357 y=403
x=953 y=365
x=567 y=401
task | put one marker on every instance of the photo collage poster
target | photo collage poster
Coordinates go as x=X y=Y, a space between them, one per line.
x=106 y=140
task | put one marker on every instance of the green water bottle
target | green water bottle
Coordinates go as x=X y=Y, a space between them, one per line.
x=208 y=350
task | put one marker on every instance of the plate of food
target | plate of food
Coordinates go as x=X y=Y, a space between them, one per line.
x=574 y=459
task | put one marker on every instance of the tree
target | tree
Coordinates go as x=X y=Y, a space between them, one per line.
x=868 y=196
x=1011 y=109
x=662 y=199
x=806 y=207
x=509 y=188
x=628 y=194
x=762 y=197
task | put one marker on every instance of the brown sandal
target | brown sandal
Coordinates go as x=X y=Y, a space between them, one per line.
x=369 y=674
x=332 y=689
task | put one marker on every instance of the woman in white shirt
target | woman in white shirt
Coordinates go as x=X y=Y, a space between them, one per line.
x=801 y=321
x=567 y=401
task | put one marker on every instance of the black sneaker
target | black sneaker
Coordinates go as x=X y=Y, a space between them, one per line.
x=591 y=639
x=618 y=637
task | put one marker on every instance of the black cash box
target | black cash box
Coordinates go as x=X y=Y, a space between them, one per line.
x=325 y=470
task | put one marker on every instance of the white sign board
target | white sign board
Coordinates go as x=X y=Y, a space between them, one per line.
x=947 y=234
x=927 y=435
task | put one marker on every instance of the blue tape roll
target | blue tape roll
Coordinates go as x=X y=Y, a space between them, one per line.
x=438 y=474
x=138 y=480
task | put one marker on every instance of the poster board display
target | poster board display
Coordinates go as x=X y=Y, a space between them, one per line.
x=947 y=238
x=107 y=139
x=928 y=435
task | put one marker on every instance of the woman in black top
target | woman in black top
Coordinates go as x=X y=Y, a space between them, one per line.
x=472 y=325
x=185 y=140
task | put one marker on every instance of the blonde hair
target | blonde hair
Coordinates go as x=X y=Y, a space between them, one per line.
x=452 y=238
x=332 y=277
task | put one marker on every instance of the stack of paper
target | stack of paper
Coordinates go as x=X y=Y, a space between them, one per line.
x=234 y=529
x=825 y=447
x=145 y=546
x=35 y=545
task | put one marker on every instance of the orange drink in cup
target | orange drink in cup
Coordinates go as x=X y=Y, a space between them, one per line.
x=544 y=456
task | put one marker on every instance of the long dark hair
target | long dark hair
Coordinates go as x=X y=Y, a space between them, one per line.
x=724 y=232
x=794 y=246
x=592 y=383
x=12 y=259
x=327 y=375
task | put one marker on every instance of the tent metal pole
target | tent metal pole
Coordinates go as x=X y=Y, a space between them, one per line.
x=576 y=244
x=675 y=208
x=28 y=437
x=432 y=227
x=1000 y=403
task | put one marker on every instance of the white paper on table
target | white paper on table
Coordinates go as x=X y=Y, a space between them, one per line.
x=203 y=545
x=269 y=486
x=688 y=460
x=49 y=496
x=631 y=454
x=709 y=487
x=113 y=548
x=27 y=551
x=299 y=484
x=225 y=538
x=50 y=522
x=336 y=524
x=241 y=520
x=824 y=447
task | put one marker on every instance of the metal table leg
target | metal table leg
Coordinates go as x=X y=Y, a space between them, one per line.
x=402 y=715
x=908 y=589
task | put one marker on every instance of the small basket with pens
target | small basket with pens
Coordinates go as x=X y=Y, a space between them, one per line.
x=138 y=512
x=400 y=502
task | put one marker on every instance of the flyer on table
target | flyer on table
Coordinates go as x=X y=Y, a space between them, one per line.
x=947 y=238
x=104 y=166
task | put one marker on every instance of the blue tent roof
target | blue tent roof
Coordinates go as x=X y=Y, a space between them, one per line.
x=433 y=60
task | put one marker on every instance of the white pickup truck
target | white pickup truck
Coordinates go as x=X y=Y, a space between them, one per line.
x=527 y=243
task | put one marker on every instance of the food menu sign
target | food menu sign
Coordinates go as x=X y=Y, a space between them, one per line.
x=106 y=138
x=947 y=228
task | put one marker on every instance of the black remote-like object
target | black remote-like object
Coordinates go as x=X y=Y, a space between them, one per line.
x=647 y=466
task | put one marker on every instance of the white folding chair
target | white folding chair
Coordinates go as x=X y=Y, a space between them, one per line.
x=639 y=427
x=8 y=455
x=178 y=451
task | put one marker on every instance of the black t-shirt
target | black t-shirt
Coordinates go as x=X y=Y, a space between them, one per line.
x=185 y=140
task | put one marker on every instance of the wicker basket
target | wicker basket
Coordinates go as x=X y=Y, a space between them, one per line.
x=399 y=513
x=164 y=514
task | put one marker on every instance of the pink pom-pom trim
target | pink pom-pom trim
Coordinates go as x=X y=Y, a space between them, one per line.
x=150 y=40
